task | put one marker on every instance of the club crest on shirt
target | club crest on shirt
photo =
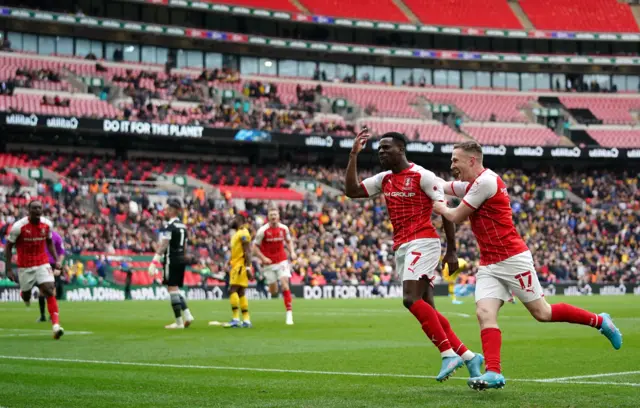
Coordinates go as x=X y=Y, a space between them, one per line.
x=43 y=231
x=408 y=183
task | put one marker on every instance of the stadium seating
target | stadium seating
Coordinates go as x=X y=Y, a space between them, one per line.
x=611 y=110
x=508 y=135
x=580 y=15
x=465 y=13
x=480 y=106
x=381 y=10
x=32 y=103
x=616 y=138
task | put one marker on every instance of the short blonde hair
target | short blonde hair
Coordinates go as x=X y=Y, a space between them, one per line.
x=470 y=147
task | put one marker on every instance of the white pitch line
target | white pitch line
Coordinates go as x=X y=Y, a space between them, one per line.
x=38 y=331
x=578 y=377
x=279 y=370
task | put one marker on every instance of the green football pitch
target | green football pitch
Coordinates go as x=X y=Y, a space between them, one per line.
x=340 y=353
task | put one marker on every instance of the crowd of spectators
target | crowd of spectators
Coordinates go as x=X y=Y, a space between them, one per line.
x=349 y=241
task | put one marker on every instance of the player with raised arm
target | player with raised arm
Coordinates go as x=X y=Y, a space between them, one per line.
x=270 y=248
x=171 y=251
x=410 y=191
x=240 y=273
x=31 y=235
x=506 y=264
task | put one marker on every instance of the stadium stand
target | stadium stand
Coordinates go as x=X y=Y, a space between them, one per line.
x=593 y=15
x=469 y=13
x=490 y=133
x=616 y=137
x=610 y=110
x=382 y=10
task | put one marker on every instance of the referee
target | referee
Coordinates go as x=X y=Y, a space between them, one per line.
x=171 y=250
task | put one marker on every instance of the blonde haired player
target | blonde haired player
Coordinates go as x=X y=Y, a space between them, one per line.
x=270 y=248
x=240 y=273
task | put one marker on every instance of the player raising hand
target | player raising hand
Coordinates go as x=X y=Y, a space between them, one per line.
x=410 y=192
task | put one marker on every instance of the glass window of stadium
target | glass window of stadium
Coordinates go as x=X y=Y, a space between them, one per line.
x=213 y=60
x=267 y=66
x=85 y=47
x=288 y=68
x=331 y=70
x=364 y=73
x=306 y=69
x=248 y=65
x=344 y=70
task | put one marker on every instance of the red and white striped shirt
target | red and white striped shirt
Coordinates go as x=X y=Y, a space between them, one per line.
x=31 y=241
x=491 y=222
x=409 y=195
x=271 y=241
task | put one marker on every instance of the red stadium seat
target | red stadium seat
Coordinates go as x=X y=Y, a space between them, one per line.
x=580 y=15
x=381 y=10
x=465 y=13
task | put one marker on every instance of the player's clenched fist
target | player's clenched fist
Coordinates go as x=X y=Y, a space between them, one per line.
x=361 y=141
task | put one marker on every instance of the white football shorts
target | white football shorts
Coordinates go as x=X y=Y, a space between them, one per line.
x=418 y=258
x=515 y=275
x=273 y=272
x=35 y=275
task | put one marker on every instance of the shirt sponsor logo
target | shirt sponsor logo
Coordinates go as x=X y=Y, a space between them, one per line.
x=399 y=194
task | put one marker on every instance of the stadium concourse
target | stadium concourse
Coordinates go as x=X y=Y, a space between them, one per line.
x=341 y=241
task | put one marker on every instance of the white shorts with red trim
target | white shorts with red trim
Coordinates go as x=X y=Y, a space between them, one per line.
x=515 y=275
x=273 y=272
x=418 y=258
x=35 y=275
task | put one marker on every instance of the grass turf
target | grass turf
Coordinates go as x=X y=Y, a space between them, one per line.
x=340 y=353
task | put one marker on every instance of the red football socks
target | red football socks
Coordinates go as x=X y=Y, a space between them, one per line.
x=286 y=295
x=52 y=306
x=491 y=344
x=563 y=312
x=458 y=347
x=428 y=318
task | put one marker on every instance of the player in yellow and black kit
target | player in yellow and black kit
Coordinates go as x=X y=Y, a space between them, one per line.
x=240 y=273
x=451 y=279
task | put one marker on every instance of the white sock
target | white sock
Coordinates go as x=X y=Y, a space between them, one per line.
x=468 y=355
x=448 y=353
x=187 y=314
x=179 y=321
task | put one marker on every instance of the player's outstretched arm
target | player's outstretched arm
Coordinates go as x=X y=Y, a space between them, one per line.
x=160 y=251
x=456 y=215
x=353 y=188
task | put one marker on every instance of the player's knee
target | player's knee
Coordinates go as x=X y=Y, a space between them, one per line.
x=541 y=313
x=486 y=316
x=409 y=300
x=46 y=291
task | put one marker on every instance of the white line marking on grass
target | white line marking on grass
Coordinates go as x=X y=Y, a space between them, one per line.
x=279 y=370
x=578 y=377
x=35 y=332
